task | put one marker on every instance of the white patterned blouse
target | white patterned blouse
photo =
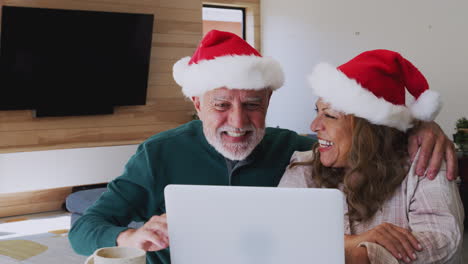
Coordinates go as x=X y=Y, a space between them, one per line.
x=431 y=209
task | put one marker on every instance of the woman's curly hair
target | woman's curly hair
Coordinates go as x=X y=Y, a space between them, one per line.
x=378 y=162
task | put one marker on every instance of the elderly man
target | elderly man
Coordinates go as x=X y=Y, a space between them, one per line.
x=230 y=85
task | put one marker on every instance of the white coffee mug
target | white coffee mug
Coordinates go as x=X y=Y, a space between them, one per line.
x=117 y=255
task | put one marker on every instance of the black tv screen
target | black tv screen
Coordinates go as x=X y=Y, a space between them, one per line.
x=67 y=62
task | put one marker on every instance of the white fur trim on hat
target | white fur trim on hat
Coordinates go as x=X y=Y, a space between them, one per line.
x=233 y=72
x=348 y=96
x=427 y=106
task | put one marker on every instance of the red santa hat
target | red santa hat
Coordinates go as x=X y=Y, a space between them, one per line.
x=223 y=59
x=372 y=86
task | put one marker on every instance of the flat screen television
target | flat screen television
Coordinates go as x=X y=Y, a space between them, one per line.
x=68 y=62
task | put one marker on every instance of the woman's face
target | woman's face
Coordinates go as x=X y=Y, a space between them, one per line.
x=334 y=132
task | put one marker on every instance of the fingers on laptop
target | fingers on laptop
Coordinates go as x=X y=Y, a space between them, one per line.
x=156 y=229
x=158 y=223
x=153 y=241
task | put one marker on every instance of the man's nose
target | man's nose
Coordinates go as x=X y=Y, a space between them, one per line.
x=238 y=117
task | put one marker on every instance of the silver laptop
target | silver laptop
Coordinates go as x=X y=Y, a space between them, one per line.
x=254 y=225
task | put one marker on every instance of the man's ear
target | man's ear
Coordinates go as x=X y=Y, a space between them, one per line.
x=196 y=103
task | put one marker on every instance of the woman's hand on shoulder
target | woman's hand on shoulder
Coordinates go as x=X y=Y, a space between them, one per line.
x=400 y=242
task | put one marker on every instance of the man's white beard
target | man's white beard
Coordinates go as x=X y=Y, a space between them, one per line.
x=234 y=151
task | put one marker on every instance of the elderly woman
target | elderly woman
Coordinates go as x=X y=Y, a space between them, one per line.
x=391 y=215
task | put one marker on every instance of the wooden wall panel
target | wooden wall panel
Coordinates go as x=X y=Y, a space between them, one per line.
x=177 y=31
x=33 y=202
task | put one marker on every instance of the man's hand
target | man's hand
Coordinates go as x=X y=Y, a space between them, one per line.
x=152 y=236
x=400 y=242
x=435 y=146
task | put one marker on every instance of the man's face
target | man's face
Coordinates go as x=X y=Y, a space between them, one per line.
x=233 y=120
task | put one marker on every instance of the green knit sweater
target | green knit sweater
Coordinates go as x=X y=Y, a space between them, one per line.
x=178 y=156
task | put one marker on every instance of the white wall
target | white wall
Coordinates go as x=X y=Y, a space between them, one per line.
x=26 y=171
x=432 y=34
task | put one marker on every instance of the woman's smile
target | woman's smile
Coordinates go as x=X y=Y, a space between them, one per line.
x=325 y=145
